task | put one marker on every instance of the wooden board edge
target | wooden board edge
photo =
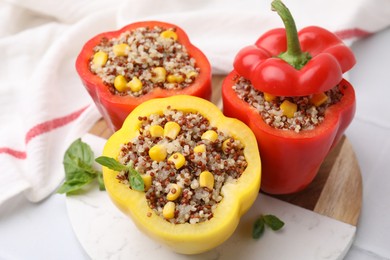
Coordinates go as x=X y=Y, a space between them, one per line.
x=343 y=185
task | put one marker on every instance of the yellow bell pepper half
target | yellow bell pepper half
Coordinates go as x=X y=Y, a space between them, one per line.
x=238 y=196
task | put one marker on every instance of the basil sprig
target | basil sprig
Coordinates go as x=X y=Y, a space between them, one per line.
x=134 y=177
x=78 y=165
x=271 y=221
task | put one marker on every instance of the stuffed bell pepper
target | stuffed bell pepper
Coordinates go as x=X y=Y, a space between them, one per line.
x=144 y=60
x=183 y=172
x=289 y=89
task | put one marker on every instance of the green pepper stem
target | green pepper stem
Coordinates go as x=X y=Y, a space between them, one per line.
x=293 y=55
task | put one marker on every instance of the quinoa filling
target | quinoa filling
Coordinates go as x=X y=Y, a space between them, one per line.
x=288 y=113
x=184 y=163
x=143 y=59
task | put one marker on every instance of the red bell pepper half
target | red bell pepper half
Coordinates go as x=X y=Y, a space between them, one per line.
x=115 y=108
x=291 y=160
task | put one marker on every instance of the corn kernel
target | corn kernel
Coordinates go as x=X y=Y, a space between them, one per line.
x=120 y=49
x=147 y=181
x=318 y=99
x=269 y=97
x=200 y=148
x=100 y=58
x=288 y=108
x=171 y=129
x=210 y=135
x=226 y=145
x=178 y=159
x=158 y=153
x=169 y=210
x=174 y=192
x=191 y=74
x=135 y=84
x=120 y=83
x=206 y=179
x=169 y=34
x=175 y=78
x=158 y=75
x=156 y=131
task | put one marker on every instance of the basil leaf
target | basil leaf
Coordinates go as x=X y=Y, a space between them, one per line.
x=79 y=153
x=258 y=228
x=78 y=165
x=136 y=181
x=74 y=165
x=134 y=177
x=75 y=183
x=273 y=222
x=111 y=163
x=100 y=181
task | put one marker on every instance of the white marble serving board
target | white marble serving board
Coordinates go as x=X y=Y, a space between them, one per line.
x=106 y=233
